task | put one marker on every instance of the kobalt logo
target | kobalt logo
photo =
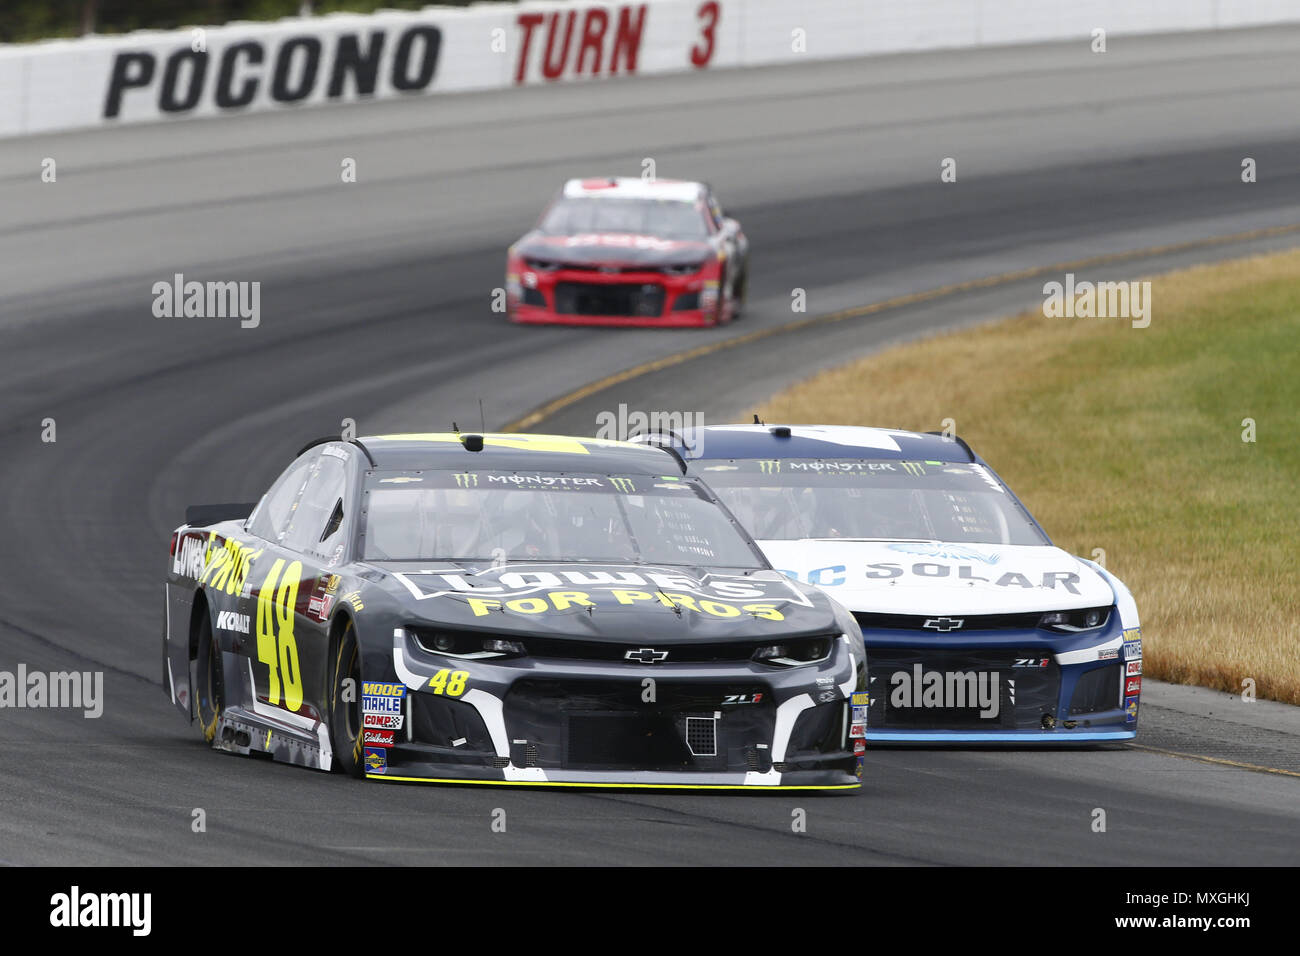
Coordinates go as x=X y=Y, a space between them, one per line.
x=230 y=621
x=291 y=71
x=949 y=690
x=77 y=909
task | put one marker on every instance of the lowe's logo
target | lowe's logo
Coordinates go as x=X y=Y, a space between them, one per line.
x=190 y=558
x=951 y=690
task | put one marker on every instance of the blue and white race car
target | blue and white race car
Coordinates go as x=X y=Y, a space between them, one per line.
x=977 y=628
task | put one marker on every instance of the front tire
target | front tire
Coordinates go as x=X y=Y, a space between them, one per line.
x=211 y=686
x=345 y=704
x=738 y=294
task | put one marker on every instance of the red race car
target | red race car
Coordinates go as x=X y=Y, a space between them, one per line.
x=629 y=251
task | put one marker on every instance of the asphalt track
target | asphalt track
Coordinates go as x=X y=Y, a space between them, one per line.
x=375 y=307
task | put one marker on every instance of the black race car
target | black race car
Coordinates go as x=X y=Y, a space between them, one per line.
x=510 y=609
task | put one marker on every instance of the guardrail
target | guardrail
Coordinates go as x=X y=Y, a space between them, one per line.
x=247 y=67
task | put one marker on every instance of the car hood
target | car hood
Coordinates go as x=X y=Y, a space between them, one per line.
x=596 y=249
x=611 y=602
x=928 y=577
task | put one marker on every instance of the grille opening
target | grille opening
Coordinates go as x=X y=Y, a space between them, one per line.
x=1098 y=689
x=646 y=741
x=702 y=736
x=589 y=298
x=1025 y=689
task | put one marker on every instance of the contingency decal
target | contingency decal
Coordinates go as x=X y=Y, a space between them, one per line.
x=376 y=760
x=1133 y=644
x=381 y=706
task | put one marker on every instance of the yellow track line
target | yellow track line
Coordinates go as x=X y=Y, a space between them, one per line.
x=543 y=412
x=1219 y=760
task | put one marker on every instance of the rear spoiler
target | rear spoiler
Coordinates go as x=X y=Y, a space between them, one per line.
x=202 y=515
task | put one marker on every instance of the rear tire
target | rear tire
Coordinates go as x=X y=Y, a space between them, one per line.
x=210 y=692
x=345 y=713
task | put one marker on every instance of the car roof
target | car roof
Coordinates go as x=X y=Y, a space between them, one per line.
x=634 y=187
x=517 y=452
x=812 y=441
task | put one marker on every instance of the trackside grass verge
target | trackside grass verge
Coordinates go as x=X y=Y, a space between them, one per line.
x=1131 y=441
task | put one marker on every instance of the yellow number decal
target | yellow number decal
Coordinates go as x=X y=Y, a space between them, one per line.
x=276 y=646
x=267 y=650
x=450 y=682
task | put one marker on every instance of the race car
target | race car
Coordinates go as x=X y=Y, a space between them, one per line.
x=629 y=251
x=977 y=629
x=507 y=609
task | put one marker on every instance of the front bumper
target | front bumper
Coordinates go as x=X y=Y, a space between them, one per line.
x=528 y=721
x=1003 y=687
x=638 y=299
x=534 y=315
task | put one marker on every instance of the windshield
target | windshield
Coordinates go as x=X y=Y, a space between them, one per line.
x=553 y=517
x=664 y=218
x=788 y=499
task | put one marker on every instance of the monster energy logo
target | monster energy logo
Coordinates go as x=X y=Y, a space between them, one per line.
x=623 y=484
x=913 y=468
x=467 y=480
x=769 y=466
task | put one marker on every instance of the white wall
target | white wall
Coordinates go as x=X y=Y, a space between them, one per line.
x=67 y=84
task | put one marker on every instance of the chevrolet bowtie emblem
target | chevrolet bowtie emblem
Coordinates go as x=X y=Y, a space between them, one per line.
x=943 y=623
x=645 y=655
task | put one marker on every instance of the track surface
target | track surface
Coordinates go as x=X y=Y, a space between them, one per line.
x=375 y=307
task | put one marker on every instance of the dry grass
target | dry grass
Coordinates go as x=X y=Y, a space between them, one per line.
x=1130 y=440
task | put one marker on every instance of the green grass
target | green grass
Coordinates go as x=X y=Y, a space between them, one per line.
x=1129 y=440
